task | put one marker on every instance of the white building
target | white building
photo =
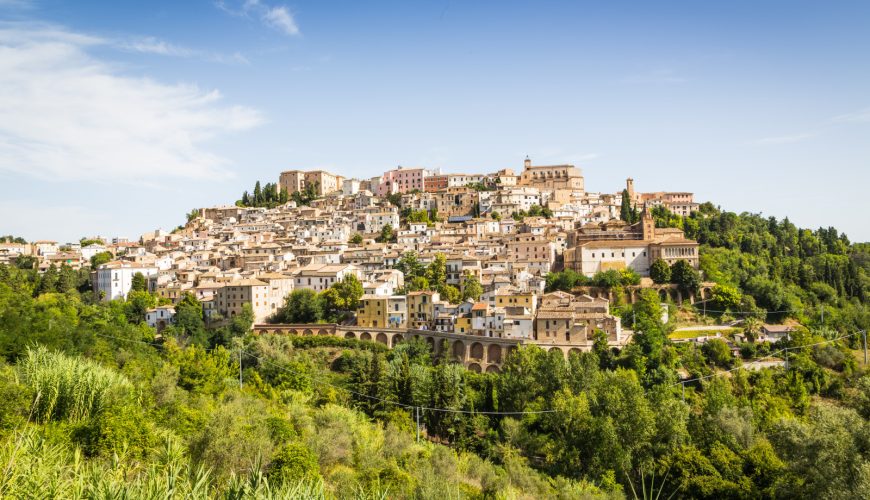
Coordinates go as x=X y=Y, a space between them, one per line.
x=595 y=256
x=350 y=187
x=319 y=277
x=160 y=317
x=91 y=250
x=113 y=280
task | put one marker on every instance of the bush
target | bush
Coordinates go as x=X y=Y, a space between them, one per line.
x=293 y=462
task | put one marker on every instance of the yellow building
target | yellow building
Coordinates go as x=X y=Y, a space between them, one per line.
x=378 y=311
x=463 y=324
x=421 y=309
x=512 y=297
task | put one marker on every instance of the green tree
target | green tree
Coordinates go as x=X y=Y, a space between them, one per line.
x=726 y=296
x=101 y=258
x=137 y=304
x=356 y=239
x=241 y=323
x=138 y=283
x=410 y=266
x=685 y=276
x=26 y=262
x=347 y=293
x=436 y=272
x=629 y=276
x=67 y=279
x=660 y=272
x=471 y=288
x=718 y=352
x=189 y=318
x=48 y=281
x=608 y=279
x=301 y=306
x=626 y=213
x=450 y=293
x=258 y=194
x=387 y=235
x=565 y=280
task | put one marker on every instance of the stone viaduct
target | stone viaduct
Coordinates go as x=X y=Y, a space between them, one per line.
x=632 y=293
x=479 y=354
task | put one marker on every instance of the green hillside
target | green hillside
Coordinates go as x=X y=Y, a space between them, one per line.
x=96 y=405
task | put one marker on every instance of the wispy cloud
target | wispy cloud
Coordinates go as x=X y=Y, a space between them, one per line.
x=16 y=4
x=277 y=17
x=67 y=115
x=859 y=116
x=785 y=139
x=656 y=77
x=281 y=19
x=152 y=45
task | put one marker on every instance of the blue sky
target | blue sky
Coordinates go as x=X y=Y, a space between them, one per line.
x=118 y=117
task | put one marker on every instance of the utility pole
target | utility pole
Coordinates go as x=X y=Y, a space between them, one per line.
x=684 y=391
x=786 y=359
x=240 y=366
x=864 y=334
x=417 y=411
x=823 y=317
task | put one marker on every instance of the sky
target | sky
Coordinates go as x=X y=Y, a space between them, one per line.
x=117 y=118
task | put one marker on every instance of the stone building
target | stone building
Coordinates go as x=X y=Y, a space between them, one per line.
x=615 y=245
x=297 y=180
x=552 y=177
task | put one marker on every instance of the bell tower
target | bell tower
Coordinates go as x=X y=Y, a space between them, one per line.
x=648 y=224
x=629 y=186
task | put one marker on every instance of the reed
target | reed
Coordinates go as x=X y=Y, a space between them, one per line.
x=67 y=388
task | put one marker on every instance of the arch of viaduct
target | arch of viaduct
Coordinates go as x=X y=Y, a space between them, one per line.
x=632 y=293
x=479 y=354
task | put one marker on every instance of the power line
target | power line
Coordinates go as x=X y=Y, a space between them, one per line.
x=152 y=344
x=785 y=350
x=404 y=405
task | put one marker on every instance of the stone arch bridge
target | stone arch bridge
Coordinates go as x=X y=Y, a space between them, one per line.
x=665 y=293
x=479 y=354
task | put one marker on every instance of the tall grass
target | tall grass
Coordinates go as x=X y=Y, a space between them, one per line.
x=36 y=468
x=66 y=388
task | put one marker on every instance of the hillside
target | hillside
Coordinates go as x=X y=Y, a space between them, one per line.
x=96 y=404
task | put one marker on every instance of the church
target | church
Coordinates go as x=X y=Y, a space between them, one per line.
x=616 y=245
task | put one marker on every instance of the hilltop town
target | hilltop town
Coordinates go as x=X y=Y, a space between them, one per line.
x=496 y=238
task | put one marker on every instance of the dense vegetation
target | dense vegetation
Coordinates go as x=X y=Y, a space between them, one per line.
x=269 y=196
x=780 y=267
x=96 y=404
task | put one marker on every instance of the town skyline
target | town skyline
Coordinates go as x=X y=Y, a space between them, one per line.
x=165 y=107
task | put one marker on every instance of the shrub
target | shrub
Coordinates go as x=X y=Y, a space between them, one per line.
x=293 y=462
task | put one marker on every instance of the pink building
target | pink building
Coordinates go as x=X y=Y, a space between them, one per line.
x=401 y=180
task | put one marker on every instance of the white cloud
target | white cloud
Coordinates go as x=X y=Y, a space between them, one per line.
x=151 y=45
x=16 y=4
x=276 y=17
x=856 y=117
x=785 y=139
x=280 y=18
x=66 y=115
